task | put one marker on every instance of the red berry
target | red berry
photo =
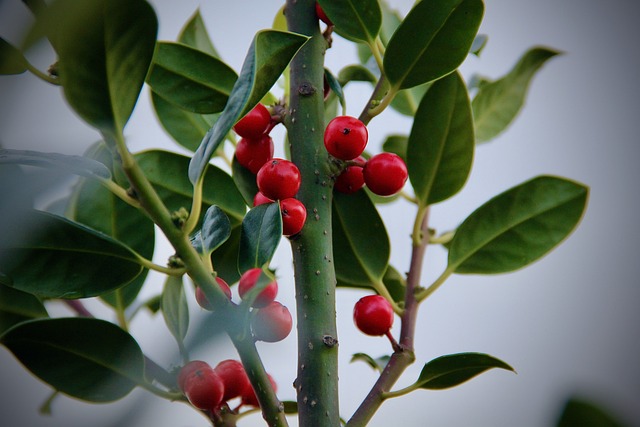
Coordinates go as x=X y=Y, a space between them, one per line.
x=373 y=315
x=278 y=179
x=350 y=180
x=345 y=137
x=204 y=388
x=188 y=369
x=255 y=123
x=248 y=281
x=253 y=153
x=234 y=378
x=385 y=174
x=202 y=299
x=294 y=215
x=272 y=323
x=261 y=199
x=322 y=16
x=249 y=395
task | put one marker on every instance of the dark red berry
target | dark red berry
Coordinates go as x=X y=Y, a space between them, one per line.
x=248 y=281
x=234 y=378
x=261 y=199
x=385 y=174
x=202 y=299
x=345 y=137
x=272 y=323
x=253 y=153
x=188 y=369
x=373 y=315
x=204 y=389
x=322 y=16
x=249 y=395
x=255 y=123
x=278 y=179
x=294 y=214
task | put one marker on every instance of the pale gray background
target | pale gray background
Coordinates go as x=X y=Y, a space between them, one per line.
x=568 y=323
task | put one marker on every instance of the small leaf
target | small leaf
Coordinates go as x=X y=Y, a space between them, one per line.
x=73 y=164
x=478 y=44
x=396 y=144
x=17 y=306
x=441 y=143
x=216 y=229
x=432 y=41
x=245 y=181
x=406 y=101
x=225 y=258
x=583 y=413
x=269 y=54
x=518 y=226
x=190 y=78
x=11 y=59
x=395 y=284
x=356 y=226
x=355 y=20
x=195 y=34
x=497 y=103
x=174 y=308
x=261 y=233
x=455 y=369
x=335 y=86
x=52 y=257
x=89 y=359
x=377 y=364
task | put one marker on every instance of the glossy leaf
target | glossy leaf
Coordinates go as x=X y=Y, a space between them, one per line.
x=360 y=242
x=376 y=364
x=195 y=34
x=216 y=229
x=11 y=59
x=261 y=233
x=584 y=413
x=269 y=54
x=78 y=165
x=396 y=144
x=335 y=86
x=395 y=284
x=102 y=71
x=497 y=103
x=245 y=181
x=225 y=258
x=190 y=79
x=89 y=359
x=17 y=306
x=53 y=257
x=432 y=41
x=355 y=20
x=455 y=369
x=441 y=143
x=518 y=226
x=174 y=308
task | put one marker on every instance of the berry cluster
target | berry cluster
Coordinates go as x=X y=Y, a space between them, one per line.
x=345 y=138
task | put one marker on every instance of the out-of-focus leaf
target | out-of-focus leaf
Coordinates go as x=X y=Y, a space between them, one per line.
x=478 y=44
x=377 y=364
x=78 y=165
x=195 y=34
x=396 y=144
x=579 y=412
x=175 y=309
x=17 y=306
x=11 y=59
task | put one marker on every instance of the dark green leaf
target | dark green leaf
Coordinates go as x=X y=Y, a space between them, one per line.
x=395 y=284
x=396 y=144
x=195 y=34
x=174 y=308
x=216 y=229
x=225 y=258
x=578 y=412
x=11 y=59
x=455 y=369
x=360 y=242
x=190 y=78
x=86 y=358
x=245 y=181
x=355 y=20
x=497 y=103
x=17 y=306
x=377 y=364
x=441 y=143
x=518 y=226
x=432 y=41
x=290 y=407
x=406 y=101
x=52 y=257
x=261 y=233
x=73 y=164
x=269 y=54
x=35 y=6
x=478 y=44
x=335 y=86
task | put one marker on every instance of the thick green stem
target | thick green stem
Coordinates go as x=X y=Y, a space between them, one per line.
x=317 y=380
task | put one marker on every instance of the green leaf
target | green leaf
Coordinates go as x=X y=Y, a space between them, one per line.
x=396 y=144
x=455 y=369
x=269 y=54
x=190 y=79
x=168 y=172
x=360 y=241
x=406 y=101
x=355 y=20
x=377 y=364
x=578 y=412
x=53 y=257
x=432 y=41
x=195 y=34
x=245 y=181
x=479 y=44
x=395 y=284
x=225 y=258
x=518 y=226
x=335 y=86
x=355 y=73
x=216 y=229
x=441 y=143
x=89 y=359
x=497 y=103
x=17 y=306
x=261 y=233
x=11 y=59
x=290 y=407
x=174 y=308
x=104 y=49
x=73 y=164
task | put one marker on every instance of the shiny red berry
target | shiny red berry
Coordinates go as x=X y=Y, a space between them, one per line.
x=351 y=179
x=253 y=153
x=278 y=179
x=322 y=16
x=188 y=369
x=260 y=199
x=255 y=123
x=234 y=378
x=272 y=323
x=294 y=214
x=248 y=281
x=373 y=315
x=345 y=137
x=385 y=174
x=204 y=388
x=249 y=395
x=202 y=299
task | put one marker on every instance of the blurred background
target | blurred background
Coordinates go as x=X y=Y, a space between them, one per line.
x=568 y=324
